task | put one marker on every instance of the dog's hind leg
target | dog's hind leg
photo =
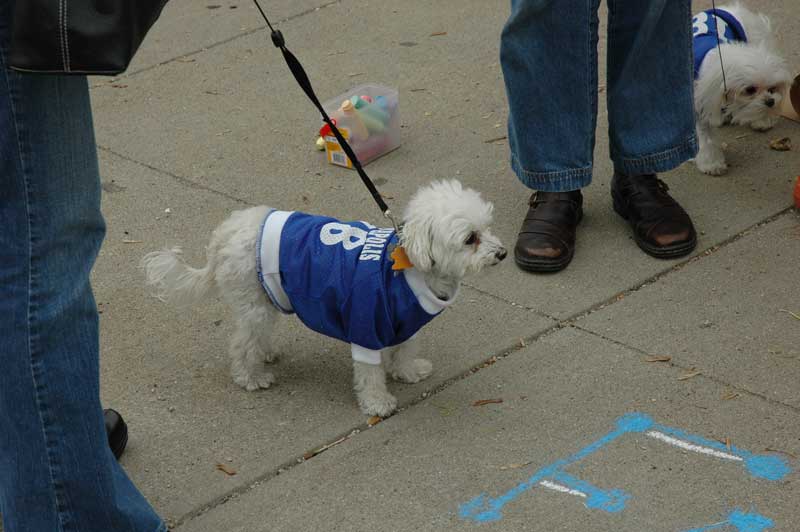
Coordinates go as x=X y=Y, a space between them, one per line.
x=250 y=344
x=405 y=366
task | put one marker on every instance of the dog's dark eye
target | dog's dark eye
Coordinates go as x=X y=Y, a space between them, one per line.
x=773 y=90
x=471 y=239
x=750 y=90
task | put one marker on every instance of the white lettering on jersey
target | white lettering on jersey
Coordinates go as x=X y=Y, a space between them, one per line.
x=350 y=237
x=347 y=235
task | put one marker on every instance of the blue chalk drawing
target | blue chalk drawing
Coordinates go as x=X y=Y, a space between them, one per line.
x=741 y=521
x=597 y=499
x=485 y=509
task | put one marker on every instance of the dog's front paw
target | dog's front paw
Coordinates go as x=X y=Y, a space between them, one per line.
x=377 y=403
x=255 y=381
x=413 y=371
x=765 y=124
x=711 y=161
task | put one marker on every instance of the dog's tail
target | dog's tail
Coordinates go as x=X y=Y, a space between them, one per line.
x=175 y=281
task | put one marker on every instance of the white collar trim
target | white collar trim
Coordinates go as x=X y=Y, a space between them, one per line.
x=429 y=301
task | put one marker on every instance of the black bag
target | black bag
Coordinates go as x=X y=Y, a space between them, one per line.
x=79 y=36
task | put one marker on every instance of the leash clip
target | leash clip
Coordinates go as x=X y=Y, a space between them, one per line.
x=388 y=214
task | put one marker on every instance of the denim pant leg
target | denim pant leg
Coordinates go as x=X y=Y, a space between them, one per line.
x=56 y=470
x=650 y=84
x=548 y=53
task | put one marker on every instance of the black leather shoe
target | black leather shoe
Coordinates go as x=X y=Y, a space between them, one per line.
x=546 y=242
x=661 y=227
x=117 y=431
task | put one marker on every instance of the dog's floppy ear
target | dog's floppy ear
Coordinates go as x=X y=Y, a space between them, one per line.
x=417 y=240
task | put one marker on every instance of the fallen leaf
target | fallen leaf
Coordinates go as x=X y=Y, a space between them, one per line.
x=438 y=33
x=374 y=420
x=742 y=136
x=658 y=358
x=417 y=90
x=225 y=469
x=496 y=139
x=730 y=394
x=782 y=144
x=514 y=466
x=119 y=86
x=186 y=60
x=689 y=375
x=487 y=402
x=131 y=241
x=354 y=74
x=522 y=342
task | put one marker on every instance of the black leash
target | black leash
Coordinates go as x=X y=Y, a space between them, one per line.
x=305 y=84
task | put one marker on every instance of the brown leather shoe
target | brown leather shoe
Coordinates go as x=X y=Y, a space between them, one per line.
x=661 y=227
x=546 y=242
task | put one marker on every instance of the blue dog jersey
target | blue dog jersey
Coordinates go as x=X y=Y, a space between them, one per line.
x=337 y=276
x=706 y=26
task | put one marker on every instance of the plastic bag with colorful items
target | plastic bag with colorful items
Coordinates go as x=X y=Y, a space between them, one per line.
x=368 y=117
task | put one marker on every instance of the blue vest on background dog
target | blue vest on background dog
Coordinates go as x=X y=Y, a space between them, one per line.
x=338 y=278
x=706 y=26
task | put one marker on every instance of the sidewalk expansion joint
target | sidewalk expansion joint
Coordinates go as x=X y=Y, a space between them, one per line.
x=616 y=298
x=701 y=375
x=509 y=302
x=180 y=179
x=211 y=46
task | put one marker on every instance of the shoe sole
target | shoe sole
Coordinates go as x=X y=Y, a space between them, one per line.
x=659 y=252
x=548 y=266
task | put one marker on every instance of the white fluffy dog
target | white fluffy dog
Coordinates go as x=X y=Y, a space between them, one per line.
x=342 y=279
x=757 y=78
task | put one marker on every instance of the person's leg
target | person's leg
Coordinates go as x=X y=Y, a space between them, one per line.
x=548 y=53
x=651 y=117
x=57 y=472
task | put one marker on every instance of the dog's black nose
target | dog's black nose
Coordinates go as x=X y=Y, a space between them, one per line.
x=769 y=102
x=501 y=254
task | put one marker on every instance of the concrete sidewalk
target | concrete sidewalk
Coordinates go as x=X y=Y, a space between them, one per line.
x=209 y=120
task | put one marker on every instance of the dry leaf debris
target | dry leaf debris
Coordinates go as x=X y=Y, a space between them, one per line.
x=782 y=144
x=483 y=402
x=225 y=469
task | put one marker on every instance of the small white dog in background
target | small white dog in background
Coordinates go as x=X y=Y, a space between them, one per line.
x=346 y=280
x=756 y=75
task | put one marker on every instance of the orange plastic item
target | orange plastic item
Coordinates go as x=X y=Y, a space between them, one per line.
x=797 y=193
x=400 y=259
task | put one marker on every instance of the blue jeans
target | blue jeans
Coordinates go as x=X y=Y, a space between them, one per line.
x=57 y=472
x=548 y=54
